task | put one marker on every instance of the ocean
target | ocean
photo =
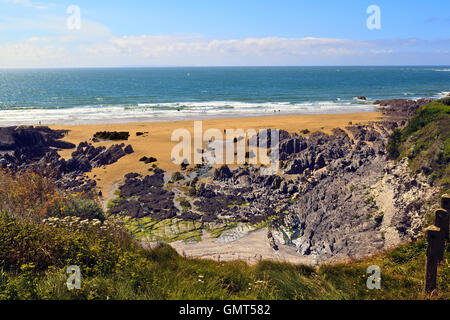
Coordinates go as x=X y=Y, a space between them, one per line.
x=76 y=96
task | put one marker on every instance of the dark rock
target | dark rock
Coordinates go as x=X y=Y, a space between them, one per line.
x=190 y=216
x=291 y=146
x=111 y=135
x=177 y=176
x=148 y=160
x=109 y=156
x=128 y=149
x=223 y=173
x=145 y=197
x=132 y=175
x=266 y=135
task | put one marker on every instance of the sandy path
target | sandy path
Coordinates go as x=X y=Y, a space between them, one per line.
x=385 y=199
x=251 y=248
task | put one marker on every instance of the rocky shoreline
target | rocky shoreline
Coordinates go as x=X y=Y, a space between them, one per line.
x=36 y=148
x=337 y=195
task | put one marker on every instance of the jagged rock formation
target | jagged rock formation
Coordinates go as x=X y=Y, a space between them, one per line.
x=337 y=196
x=25 y=144
x=145 y=196
x=111 y=135
x=36 y=148
x=397 y=111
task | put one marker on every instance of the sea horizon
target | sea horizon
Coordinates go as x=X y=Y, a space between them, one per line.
x=153 y=94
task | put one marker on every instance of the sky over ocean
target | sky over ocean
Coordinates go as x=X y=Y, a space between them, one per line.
x=82 y=33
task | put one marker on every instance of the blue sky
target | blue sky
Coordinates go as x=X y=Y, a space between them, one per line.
x=245 y=32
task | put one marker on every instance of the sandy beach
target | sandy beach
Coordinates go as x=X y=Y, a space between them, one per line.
x=157 y=143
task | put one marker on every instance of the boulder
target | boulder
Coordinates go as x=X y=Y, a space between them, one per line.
x=111 y=135
x=223 y=173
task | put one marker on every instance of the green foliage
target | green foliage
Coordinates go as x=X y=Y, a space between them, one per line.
x=394 y=144
x=185 y=204
x=23 y=241
x=177 y=176
x=425 y=115
x=70 y=205
x=426 y=142
x=35 y=196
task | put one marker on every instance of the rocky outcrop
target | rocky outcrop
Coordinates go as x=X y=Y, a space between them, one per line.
x=35 y=148
x=223 y=173
x=397 y=111
x=141 y=197
x=111 y=135
x=266 y=135
x=338 y=195
x=26 y=144
x=148 y=160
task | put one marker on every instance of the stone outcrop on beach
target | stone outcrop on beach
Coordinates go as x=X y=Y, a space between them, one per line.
x=28 y=143
x=397 y=111
x=223 y=173
x=111 y=135
x=23 y=148
x=145 y=196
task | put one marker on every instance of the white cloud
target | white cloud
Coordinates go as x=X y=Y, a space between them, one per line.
x=29 y=4
x=147 y=46
x=95 y=46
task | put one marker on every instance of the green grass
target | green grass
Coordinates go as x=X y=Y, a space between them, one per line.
x=426 y=142
x=169 y=230
x=217 y=230
x=120 y=269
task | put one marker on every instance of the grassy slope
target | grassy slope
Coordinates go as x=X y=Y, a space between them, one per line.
x=426 y=142
x=34 y=255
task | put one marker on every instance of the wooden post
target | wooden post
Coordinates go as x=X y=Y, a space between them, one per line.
x=441 y=221
x=445 y=204
x=433 y=237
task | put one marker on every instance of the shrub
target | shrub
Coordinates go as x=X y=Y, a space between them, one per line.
x=177 y=176
x=73 y=205
x=25 y=193
x=394 y=144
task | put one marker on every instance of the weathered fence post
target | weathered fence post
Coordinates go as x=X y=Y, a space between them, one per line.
x=433 y=236
x=444 y=220
x=441 y=221
x=445 y=201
